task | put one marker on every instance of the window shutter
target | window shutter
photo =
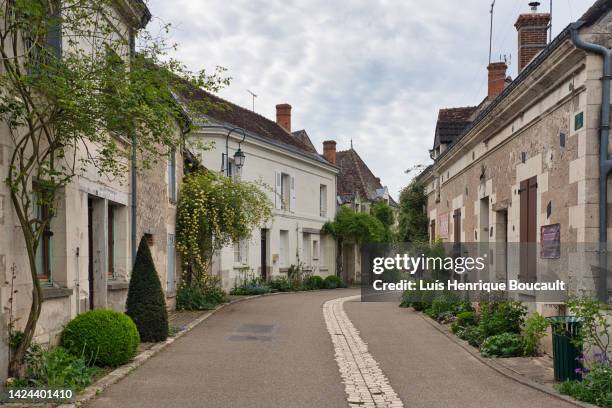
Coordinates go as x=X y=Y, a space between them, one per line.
x=292 y=192
x=277 y=191
x=170 y=265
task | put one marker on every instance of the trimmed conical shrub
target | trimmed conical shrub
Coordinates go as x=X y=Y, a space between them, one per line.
x=146 y=304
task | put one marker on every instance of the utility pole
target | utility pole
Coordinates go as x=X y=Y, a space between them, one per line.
x=491 y=30
x=254 y=96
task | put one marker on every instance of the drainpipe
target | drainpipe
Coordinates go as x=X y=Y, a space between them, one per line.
x=133 y=170
x=605 y=164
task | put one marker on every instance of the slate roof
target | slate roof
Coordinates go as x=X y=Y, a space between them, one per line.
x=304 y=138
x=596 y=11
x=221 y=111
x=355 y=177
x=451 y=122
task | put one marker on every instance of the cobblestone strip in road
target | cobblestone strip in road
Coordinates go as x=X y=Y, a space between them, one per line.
x=364 y=381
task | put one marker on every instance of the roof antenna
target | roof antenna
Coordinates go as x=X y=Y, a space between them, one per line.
x=491 y=30
x=551 y=20
x=254 y=96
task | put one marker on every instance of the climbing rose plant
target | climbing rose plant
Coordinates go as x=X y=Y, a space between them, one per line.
x=215 y=211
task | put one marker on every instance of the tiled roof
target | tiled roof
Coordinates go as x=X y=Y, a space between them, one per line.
x=224 y=112
x=596 y=11
x=451 y=122
x=356 y=177
x=303 y=136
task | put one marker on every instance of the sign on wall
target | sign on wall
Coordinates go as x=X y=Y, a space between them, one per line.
x=443 y=225
x=550 y=241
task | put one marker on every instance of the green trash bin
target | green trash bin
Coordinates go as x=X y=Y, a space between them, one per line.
x=566 y=355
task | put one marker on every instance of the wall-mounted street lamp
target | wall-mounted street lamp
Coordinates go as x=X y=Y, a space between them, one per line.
x=239 y=156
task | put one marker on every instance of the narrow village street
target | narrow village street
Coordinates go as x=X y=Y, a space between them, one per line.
x=276 y=351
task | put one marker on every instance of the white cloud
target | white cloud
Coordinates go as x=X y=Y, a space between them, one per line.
x=374 y=71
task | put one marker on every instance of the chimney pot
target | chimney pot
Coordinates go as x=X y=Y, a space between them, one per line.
x=329 y=151
x=532 y=31
x=497 y=78
x=283 y=116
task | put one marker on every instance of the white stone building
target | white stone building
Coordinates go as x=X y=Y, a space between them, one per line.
x=301 y=183
x=85 y=257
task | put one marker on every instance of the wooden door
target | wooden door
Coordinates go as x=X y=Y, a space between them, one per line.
x=432 y=231
x=528 y=229
x=264 y=254
x=457 y=226
x=90 y=266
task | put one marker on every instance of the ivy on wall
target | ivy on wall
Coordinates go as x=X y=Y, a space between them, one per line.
x=215 y=211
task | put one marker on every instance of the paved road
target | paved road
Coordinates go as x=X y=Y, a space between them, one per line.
x=428 y=370
x=269 y=352
x=276 y=351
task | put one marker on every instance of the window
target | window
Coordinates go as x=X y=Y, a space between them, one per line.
x=172 y=175
x=306 y=248
x=171 y=266
x=241 y=252
x=54 y=30
x=44 y=251
x=285 y=191
x=284 y=248
x=323 y=200
x=111 y=241
x=315 y=249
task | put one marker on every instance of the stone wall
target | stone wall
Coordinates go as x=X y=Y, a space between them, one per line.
x=157 y=216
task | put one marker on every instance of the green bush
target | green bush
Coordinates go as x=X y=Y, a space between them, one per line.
x=534 y=330
x=333 y=282
x=280 y=284
x=445 y=304
x=502 y=345
x=314 y=282
x=472 y=334
x=146 y=303
x=463 y=320
x=102 y=337
x=56 y=368
x=251 y=286
x=595 y=387
x=418 y=299
x=196 y=298
x=501 y=317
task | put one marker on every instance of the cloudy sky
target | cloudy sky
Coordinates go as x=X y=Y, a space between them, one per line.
x=374 y=71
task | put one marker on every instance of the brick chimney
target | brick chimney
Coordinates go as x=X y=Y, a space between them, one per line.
x=532 y=34
x=497 y=78
x=329 y=151
x=283 y=116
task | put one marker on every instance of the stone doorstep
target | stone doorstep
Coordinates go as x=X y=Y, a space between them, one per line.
x=533 y=372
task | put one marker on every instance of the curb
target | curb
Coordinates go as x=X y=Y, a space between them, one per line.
x=506 y=372
x=119 y=373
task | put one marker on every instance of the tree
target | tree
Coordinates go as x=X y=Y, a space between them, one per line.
x=412 y=217
x=74 y=94
x=384 y=213
x=353 y=227
x=145 y=301
x=215 y=211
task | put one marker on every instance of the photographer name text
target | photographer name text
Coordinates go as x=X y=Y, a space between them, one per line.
x=512 y=284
